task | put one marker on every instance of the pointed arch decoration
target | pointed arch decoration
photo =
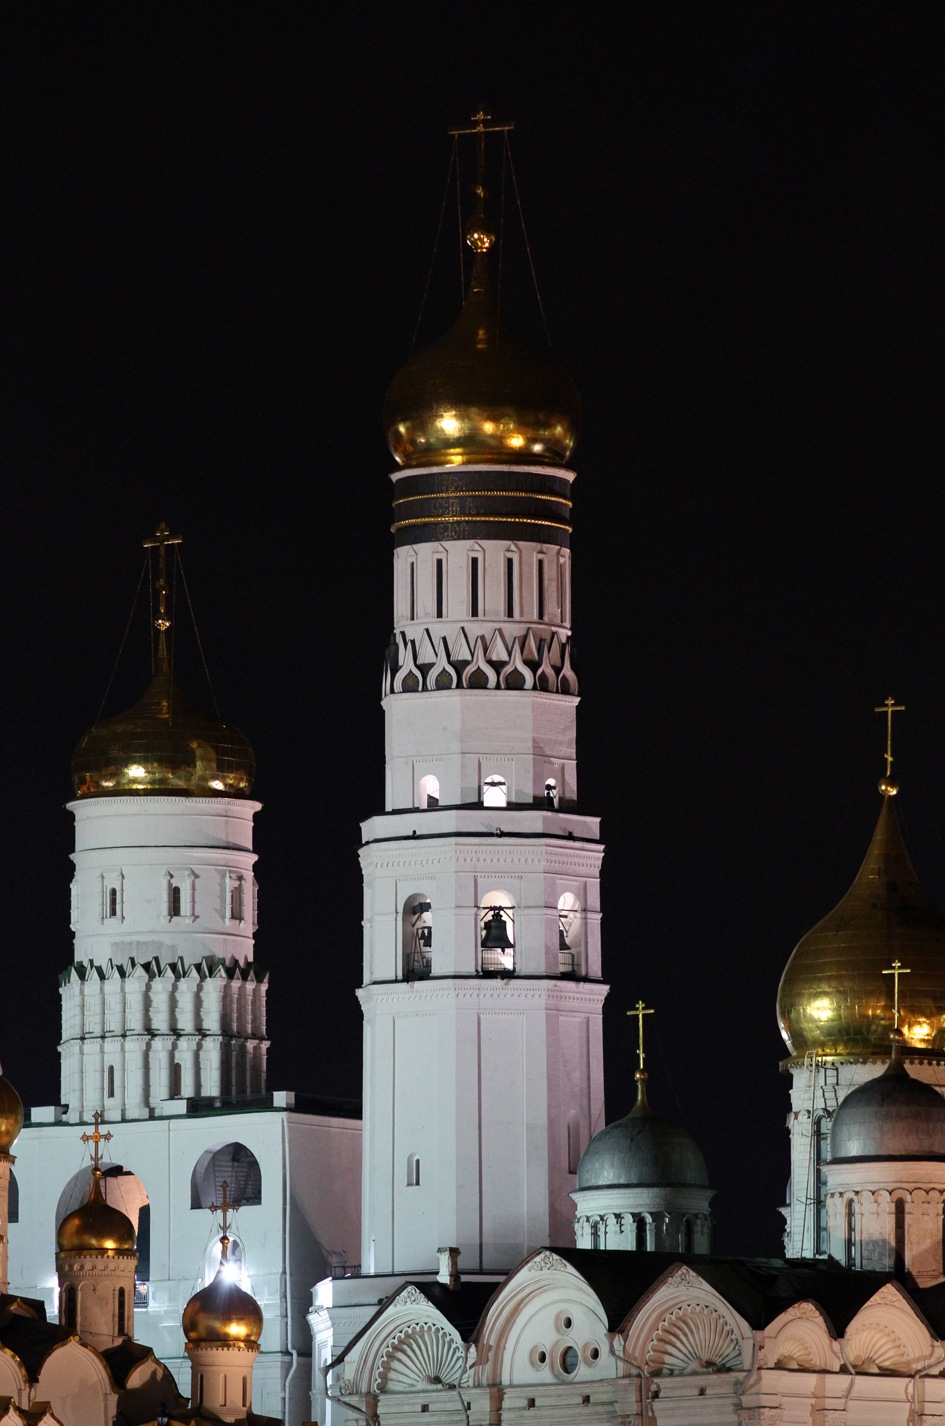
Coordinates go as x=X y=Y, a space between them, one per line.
x=516 y=674
x=479 y=673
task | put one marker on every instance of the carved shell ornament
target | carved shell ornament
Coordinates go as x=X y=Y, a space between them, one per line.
x=421 y=1355
x=694 y=1338
x=874 y=1347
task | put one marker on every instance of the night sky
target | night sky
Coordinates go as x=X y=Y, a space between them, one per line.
x=218 y=224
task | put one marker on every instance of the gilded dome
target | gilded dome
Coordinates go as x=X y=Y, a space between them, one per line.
x=163 y=745
x=478 y=397
x=222 y=1311
x=96 y=1227
x=11 y=1114
x=891 y=1117
x=642 y=1150
x=834 y=997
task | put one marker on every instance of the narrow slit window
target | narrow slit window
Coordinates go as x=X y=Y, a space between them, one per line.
x=439 y=588
x=509 y=587
x=474 y=587
x=899 y=1261
x=113 y=901
x=640 y=1235
x=851 y=1233
x=110 y=1082
x=540 y=585
x=175 y=900
x=121 y=1313
x=413 y=591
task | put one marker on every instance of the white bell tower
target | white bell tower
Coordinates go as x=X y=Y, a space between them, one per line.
x=482 y=994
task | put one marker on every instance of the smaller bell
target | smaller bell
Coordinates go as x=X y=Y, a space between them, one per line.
x=495 y=936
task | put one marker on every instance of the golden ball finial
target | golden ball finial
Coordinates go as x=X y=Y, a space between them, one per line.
x=887 y=787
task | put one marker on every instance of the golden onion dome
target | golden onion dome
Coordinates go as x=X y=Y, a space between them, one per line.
x=163 y=745
x=96 y=1227
x=11 y=1114
x=834 y=996
x=476 y=396
x=222 y=1311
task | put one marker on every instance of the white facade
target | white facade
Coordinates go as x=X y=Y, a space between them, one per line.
x=482 y=1047
x=161 y=1001
x=298 y=1230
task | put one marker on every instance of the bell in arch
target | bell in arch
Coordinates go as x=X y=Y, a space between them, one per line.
x=495 y=936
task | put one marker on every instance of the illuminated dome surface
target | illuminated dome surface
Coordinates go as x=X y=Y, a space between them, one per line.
x=642 y=1150
x=222 y=1312
x=163 y=745
x=476 y=396
x=96 y=1227
x=11 y=1114
x=892 y=1117
x=834 y=997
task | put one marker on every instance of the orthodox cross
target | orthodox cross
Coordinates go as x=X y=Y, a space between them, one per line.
x=95 y=1138
x=896 y=970
x=161 y=538
x=639 y=1011
x=889 y=708
x=224 y=1208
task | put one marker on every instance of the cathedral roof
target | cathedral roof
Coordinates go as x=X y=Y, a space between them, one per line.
x=641 y=1150
x=893 y=1116
x=222 y=1311
x=96 y=1227
x=479 y=396
x=163 y=745
x=11 y=1114
x=834 y=996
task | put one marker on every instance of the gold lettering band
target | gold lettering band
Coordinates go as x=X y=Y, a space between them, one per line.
x=479 y=520
x=504 y=494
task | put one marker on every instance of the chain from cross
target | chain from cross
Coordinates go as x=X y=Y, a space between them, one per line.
x=896 y=970
x=889 y=708
x=639 y=1011
x=225 y=1207
x=161 y=538
x=95 y=1138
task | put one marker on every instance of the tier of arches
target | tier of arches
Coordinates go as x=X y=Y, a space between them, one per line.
x=493 y=792
x=494 y=930
x=182 y=893
x=500 y=582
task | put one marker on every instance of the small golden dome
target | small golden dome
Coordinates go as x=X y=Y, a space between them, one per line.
x=222 y=1311
x=11 y=1114
x=96 y=1227
x=475 y=396
x=163 y=745
x=834 y=997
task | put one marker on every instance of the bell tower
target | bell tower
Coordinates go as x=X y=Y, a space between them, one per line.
x=482 y=994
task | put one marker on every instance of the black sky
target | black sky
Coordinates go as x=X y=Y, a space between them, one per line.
x=218 y=223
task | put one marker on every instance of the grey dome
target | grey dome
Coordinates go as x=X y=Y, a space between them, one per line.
x=892 y=1117
x=641 y=1151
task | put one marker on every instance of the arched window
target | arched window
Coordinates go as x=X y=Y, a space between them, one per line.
x=597 y=1235
x=235 y=897
x=570 y=934
x=417 y=937
x=475 y=576
x=551 y=793
x=234 y=1163
x=851 y=1233
x=689 y=1237
x=120 y=1314
x=413 y=1170
x=574 y=1141
x=497 y=934
x=495 y=791
x=175 y=900
x=640 y=1234
x=113 y=901
x=429 y=791
x=899 y=1258
x=69 y=1306
x=540 y=586
x=13 y=1202
x=439 y=586
x=110 y=1082
x=176 y=1080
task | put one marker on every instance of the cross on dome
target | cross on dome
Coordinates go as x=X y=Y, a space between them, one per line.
x=896 y=970
x=887 y=787
x=225 y=1207
x=95 y=1139
x=639 y=1011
